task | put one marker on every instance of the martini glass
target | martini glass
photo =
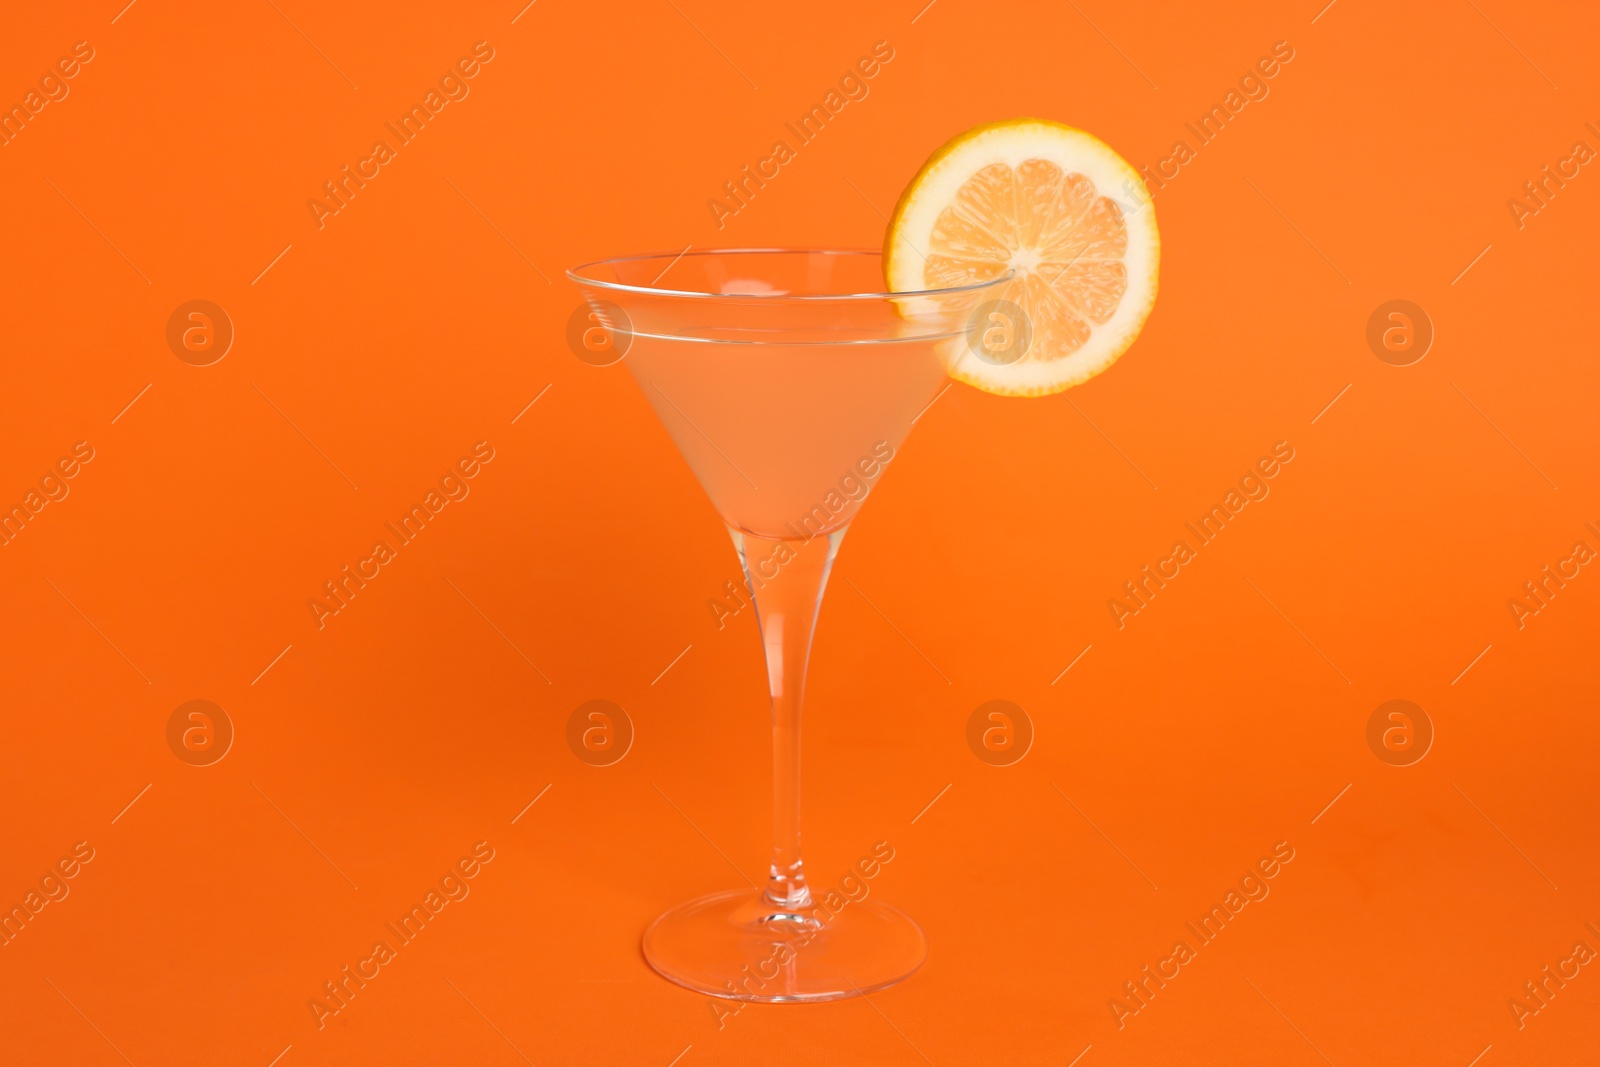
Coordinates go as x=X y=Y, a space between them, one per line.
x=788 y=382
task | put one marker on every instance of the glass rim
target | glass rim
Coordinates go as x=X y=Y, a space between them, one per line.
x=575 y=275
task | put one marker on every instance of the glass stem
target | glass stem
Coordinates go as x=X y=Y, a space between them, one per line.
x=786 y=579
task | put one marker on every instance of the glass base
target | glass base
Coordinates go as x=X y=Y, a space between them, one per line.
x=739 y=946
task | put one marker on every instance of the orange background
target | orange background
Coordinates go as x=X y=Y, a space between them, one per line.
x=429 y=312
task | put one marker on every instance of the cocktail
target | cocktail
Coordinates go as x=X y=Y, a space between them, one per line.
x=789 y=380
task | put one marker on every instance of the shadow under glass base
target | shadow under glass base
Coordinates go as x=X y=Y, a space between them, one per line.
x=739 y=946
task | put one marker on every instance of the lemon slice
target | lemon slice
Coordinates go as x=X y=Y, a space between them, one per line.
x=1067 y=215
